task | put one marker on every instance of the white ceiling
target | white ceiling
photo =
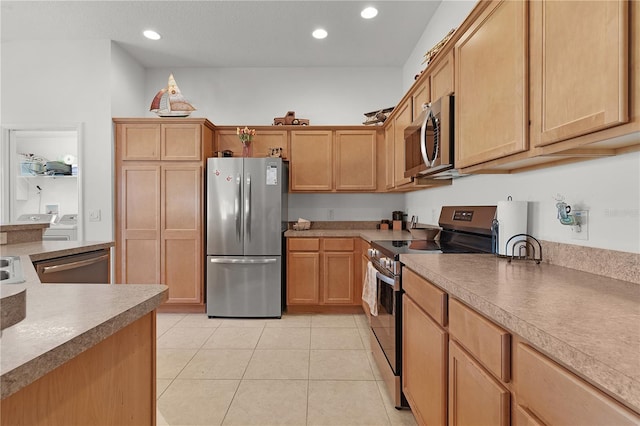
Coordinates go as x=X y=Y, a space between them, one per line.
x=224 y=33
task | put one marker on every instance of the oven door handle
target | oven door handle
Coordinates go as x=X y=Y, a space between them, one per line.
x=389 y=281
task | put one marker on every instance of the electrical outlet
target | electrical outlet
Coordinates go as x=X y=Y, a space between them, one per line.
x=330 y=214
x=94 y=215
x=580 y=231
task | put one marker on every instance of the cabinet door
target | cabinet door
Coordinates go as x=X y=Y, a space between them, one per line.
x=182 y=243
x=303 y=278
x=355 y=164
x=441 y=77
x=138 y=141
x=421 y=96
x=400 y=122
x=424 y=364
x=181 y=142
x=585 y=88
x=139 y=225
x=389 y=154
x=475 y=397
x=311 y=158
x=491 y=85
x=338 y=278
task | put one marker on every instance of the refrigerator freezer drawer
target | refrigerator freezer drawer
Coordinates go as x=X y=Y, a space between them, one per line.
x=244 y=286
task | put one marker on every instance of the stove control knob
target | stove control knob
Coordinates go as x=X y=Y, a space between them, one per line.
x=372 y=252
x=384 y=262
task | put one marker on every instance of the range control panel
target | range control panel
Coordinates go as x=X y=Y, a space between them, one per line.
x=464 y=215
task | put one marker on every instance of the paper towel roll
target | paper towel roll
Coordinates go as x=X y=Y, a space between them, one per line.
x=512 y=220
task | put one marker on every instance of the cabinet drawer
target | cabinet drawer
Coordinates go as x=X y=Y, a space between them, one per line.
x=490 y=344
x=338 y=244
x=539 y=383
x=429 y=297
x=304 y=244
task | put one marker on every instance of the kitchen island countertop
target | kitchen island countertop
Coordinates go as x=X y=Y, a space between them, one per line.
x=63 y=320
x=587 y=322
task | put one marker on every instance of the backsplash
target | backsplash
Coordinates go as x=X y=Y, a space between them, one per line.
x=615 y=264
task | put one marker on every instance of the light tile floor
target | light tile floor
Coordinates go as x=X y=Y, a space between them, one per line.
x=299 y=370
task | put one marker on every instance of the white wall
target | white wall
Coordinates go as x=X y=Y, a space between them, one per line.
x=128 y=80
x=66 y=83
x=344 y=207
x=254 y=96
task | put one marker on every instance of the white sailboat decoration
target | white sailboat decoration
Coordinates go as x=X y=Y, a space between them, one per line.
x=169 y=102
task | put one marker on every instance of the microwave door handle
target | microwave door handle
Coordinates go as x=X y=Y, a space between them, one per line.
x=423 y=138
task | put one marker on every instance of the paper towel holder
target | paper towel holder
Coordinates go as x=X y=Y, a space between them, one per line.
x=527 y=248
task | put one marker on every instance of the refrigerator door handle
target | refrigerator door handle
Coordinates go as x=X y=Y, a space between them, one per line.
x=247 y=208
x=237 y=208
x=244 y=260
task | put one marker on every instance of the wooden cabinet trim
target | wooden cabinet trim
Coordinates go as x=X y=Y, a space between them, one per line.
x=489 y=343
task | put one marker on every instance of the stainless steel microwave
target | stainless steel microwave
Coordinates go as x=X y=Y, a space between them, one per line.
x=428 y=140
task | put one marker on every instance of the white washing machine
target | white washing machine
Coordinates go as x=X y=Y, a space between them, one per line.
x=63 y=229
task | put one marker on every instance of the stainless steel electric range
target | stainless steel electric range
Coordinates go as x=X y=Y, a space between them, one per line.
x=465 y=229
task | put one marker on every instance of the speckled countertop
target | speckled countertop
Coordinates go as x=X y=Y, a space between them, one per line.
x=63 y=320
x=588 y=323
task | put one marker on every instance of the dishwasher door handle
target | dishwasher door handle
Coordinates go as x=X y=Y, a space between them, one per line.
x=74 y=265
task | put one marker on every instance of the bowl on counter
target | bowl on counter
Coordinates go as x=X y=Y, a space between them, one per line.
x=430 y=233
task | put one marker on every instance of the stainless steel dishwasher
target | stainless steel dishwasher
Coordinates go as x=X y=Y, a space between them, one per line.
x=87 y=268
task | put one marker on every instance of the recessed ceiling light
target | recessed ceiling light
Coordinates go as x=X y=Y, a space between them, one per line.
x=319 y=34
x=369 y=12
x=151 y=35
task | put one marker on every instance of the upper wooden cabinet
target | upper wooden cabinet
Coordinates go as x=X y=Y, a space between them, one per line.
x=265 y=138
x=389 y=155
x=312 y=156
x=579 y=73
x=420 y=96
x=491 y=85
x=157 y=141
x=401 y=119
x=180 y=142
x=334 y=160
x=355 y=160
x=440 y=78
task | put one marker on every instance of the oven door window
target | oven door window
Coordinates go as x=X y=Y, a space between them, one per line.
x=384 y=325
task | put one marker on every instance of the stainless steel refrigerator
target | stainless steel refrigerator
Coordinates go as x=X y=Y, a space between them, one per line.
x=246 y=219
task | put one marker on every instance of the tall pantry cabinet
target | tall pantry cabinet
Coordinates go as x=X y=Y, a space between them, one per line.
x=160 y=166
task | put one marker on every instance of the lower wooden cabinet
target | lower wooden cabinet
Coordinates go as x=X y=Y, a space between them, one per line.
x=323 y=274
x=475 y=397
x=540 y=382
x=424 y=364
